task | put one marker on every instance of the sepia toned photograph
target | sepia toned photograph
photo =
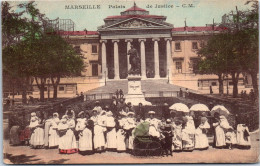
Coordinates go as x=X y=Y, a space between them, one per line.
x=130 y=82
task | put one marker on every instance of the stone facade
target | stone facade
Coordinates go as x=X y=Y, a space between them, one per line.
x=166 y=52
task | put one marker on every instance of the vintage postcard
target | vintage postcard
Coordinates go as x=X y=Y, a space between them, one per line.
x=130 y=82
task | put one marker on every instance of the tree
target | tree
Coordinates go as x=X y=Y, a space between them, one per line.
x=235 y=49
x=37 y=54
x=65 y=61
x=245 y=28
x=214 y=57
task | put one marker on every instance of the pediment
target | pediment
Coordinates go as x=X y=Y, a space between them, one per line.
x=136 y=23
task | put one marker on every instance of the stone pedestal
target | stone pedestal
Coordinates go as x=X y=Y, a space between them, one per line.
x=135 y=94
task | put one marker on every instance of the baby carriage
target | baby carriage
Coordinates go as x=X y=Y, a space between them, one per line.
x=145 y=144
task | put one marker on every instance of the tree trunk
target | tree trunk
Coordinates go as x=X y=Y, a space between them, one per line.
x=24 y=96
x=55 y=91
x=55 y=84
x=41 y=87
x=235 y=77
x=42 y=94
x=220 y=81
x=254 y=82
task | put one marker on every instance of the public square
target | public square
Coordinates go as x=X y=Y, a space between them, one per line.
x=26 y=155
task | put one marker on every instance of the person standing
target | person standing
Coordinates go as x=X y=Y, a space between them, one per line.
x=53 y=135
x=85 y=136
x=121 y=94
x=117 y=93
x=201 y=139
x=181 y=93
x=98 y=107
x=129 y=125
x=177 y=135
x=120 y=134
x=188 y=132
x=69 y=138
x=187 y=93
x=210 y=90
x=37 y=136
x=167 y=131
x=111 y=132
x=99 y=129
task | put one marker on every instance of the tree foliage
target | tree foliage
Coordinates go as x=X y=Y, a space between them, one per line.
x=38 y=53
x=235 y=49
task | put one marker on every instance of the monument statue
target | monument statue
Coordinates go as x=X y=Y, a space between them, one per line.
x=134 y=61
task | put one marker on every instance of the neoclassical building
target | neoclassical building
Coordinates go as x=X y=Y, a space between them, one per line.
x=167 y=53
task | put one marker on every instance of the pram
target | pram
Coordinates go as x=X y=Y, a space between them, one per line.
x=145 y=144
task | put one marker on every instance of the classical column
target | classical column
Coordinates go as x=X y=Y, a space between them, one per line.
x=169 y=58
x=116 y=59
x=104 y=58
x=156 y=58
x=143 y=63
x=128 y=48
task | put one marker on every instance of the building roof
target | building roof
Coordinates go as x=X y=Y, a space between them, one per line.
x=135 y=8
x=79 y=33
x=177 y=29
x=197 y=29
x=131 y=16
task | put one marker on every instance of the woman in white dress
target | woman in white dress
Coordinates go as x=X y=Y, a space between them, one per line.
x=37 y=136
x=120 y=134
x=201 y=139
x=243 y=137
x=128 y=127
x=99 y=129
x=67 y=141
x=85 y=135
x=220 y=128
x=111 y=132
x=53 y=135
x=188 y=132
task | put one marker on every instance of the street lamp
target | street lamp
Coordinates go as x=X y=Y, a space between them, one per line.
x=48 y=83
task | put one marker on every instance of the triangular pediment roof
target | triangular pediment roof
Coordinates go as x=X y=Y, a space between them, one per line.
x=135 y=22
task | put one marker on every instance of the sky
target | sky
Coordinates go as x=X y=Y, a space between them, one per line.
x=202 y=12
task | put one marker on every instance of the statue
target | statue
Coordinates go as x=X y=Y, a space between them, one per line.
x=134 y=60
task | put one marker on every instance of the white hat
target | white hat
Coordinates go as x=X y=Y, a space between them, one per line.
x=168 y=120
x=55 y=113
x=130 y=113
x=151 y=112
x=65 y=117
x=33 y=114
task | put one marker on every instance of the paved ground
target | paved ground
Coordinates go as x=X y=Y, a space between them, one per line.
x=25 y=155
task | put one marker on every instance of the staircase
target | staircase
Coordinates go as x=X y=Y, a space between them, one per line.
x=148 y=86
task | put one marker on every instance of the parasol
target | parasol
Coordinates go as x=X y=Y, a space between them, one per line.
x=199 y=108
x=220 y=109
x=180 y=107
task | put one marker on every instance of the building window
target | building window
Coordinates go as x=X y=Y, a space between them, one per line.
x=45 y=88
x=61 y=88
x=94 y=49
x=194 y=45
x=178 y=66
x=177 y=46
x=230 y=83
x=213 y=83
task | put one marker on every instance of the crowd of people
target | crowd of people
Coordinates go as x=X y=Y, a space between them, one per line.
x=102 y=129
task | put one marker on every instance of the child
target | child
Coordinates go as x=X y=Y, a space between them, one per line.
x=230 y=138
x=167 y=131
